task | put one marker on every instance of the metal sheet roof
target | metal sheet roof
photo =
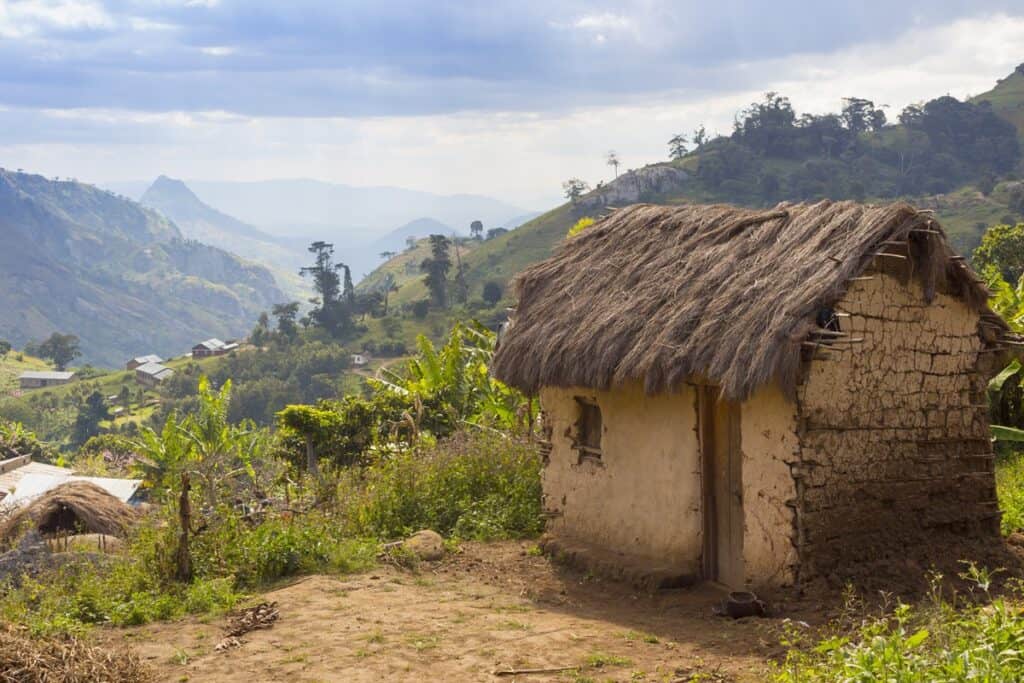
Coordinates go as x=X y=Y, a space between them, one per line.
x=9 y=480
x=45 y=374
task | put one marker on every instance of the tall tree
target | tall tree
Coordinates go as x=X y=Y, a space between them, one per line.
x=332 y=309
x=677 y=147
x=90 y=414
x=700 y=137
x=286 y=315
x=492 y=292
x=436 y=267
x=574 y=188
x=61 y=349
x=476 y=230
x=613 y=160
x=460 y=288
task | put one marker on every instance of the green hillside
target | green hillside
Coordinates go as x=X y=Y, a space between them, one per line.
x=122 y=278
x=1007 y=98
x=960 y=159
x=13 y=364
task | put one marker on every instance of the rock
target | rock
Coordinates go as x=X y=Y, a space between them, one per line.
x=426 y=545
x=636 y=185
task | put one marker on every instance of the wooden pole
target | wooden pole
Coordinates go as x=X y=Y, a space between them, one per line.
x=184 y=555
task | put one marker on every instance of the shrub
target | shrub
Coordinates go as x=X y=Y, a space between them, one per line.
x=476 y=485
x=936 y=641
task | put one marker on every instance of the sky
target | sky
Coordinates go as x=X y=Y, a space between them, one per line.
x=501 y=98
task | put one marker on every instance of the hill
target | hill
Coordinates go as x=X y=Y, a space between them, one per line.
x=945 y=155
x=1007 y=98
x=199 y=221
x=80 y=260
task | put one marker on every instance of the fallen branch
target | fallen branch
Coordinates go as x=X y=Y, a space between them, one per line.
x=524 y=672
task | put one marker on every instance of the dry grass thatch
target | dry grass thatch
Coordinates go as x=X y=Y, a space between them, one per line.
x=26 y=659
x=76 y=506
x=665 y=294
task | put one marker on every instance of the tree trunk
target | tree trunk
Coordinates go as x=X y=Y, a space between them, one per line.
x=311 y=464
x=184 y=555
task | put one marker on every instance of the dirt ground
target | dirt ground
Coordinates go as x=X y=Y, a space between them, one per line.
x=489 y=608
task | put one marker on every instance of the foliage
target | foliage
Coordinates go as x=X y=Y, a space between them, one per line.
x=477 y=485
x=580 y=225
x=936 y=641
x=17 y=441
x=90 y=414
x=574 y=188
x=1002 y=248
x=491 y=293
x=265 y=380
x=1010 y=491
x=335 y=303
x=456 y=382
x=677 y=148
x=436 y=267
x=60 y=348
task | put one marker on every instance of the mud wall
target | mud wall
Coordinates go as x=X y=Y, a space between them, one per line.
x=770 y=449
x=893 y=431
x=643 y=497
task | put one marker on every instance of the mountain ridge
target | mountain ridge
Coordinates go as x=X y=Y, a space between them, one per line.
x=77 y=259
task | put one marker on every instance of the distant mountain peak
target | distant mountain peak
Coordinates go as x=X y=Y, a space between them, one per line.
x=166 y=189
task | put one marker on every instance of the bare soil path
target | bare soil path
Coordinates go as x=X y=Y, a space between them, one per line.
x=491 y=607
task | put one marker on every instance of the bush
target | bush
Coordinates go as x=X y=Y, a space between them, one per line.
x=1010 y=491
x=937 y=641
x=477 y=485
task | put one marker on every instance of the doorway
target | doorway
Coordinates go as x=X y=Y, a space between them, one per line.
x=721 y=488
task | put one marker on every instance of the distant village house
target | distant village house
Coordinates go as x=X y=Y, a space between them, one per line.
x=760 y=398
x=152 y=374
x=212 y=347
x=49 y=378
x=359 y=360
x=142 y=360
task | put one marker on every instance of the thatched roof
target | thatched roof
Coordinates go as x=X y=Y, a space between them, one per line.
x=77 y=506
x=664 y=294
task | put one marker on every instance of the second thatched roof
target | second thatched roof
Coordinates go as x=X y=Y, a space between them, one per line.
x=74 y=507
x=664 y=294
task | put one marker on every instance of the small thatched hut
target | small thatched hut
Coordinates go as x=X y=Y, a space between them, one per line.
x=759 y=397
x=77 y=507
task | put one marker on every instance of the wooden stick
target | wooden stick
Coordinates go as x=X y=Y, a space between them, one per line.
x=833 y=258
x=890 y=255
x=524 y=672
x=830 y=333
x=862 y=277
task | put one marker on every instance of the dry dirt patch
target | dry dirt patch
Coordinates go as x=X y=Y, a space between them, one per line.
x=492 y=607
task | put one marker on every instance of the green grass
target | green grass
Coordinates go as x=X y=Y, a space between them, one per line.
x=1007 y=100
x=15 y=363
x=935 y=641
x=1010 y=491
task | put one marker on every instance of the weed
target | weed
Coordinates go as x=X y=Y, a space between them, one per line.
x=599 y=660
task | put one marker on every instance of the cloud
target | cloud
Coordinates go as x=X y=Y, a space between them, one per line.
x=445 y=100
x=26 y=18
x=420 y=57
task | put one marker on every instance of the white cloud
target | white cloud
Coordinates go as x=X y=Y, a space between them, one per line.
x=218 y=50
x=23 y=18
x=603 y=22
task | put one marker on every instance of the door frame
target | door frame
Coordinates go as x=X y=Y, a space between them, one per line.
x=719 y=420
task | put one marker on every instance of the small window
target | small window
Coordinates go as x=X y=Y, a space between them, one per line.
x=588 y=428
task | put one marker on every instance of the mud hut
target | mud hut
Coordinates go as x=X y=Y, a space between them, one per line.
x=759 y=397
x=72 y=508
